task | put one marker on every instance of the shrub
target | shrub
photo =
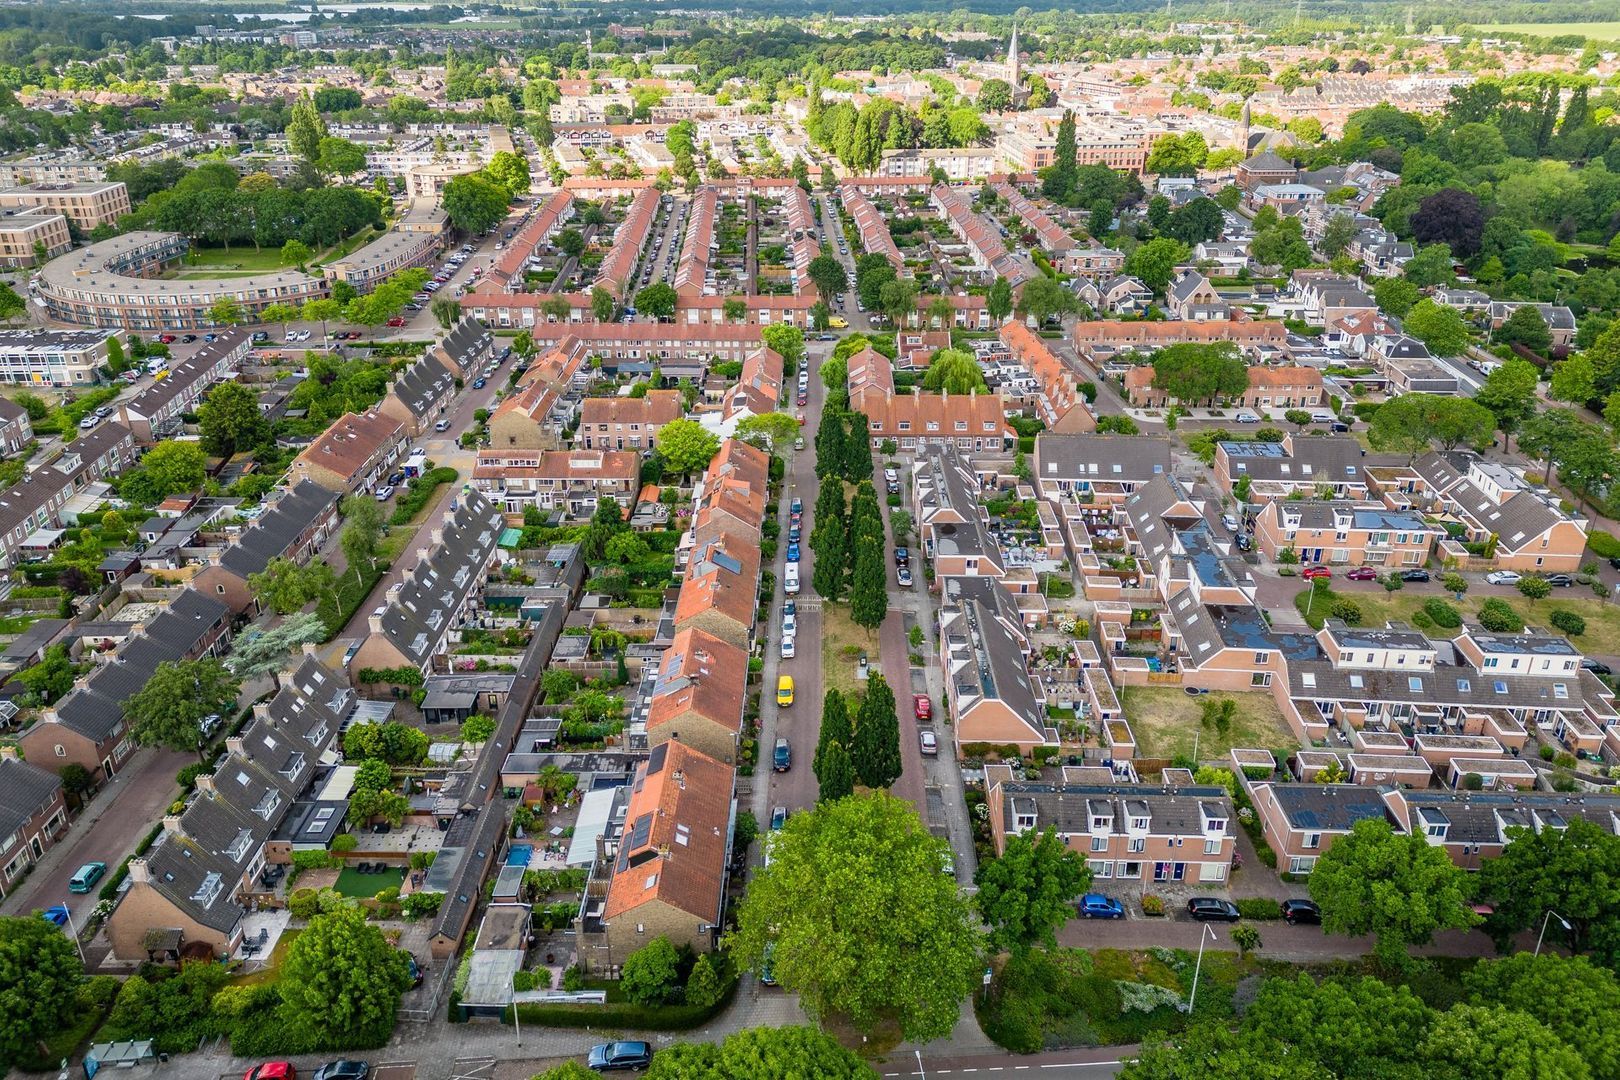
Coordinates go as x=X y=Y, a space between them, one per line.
x=419 y=904
x=1603 y=544
x=304 y=904
x=1473 y=782
x=1152 y=904
x=651 y=973
x=1442 y=613
x=1569 y=622
x=1422 y=621
x=1498 y=616
x=345 y=842
x=1348 y=610
x=1547 y=752
x=573 y=979
x=1259 y=907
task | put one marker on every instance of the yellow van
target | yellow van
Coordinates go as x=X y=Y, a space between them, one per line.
x=784 y=691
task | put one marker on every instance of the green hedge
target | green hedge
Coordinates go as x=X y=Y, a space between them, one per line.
x=1603 y=544
x=1259 y=907
x=418 y=492
x=625 y=1016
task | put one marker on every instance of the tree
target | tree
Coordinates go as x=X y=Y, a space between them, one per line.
x=830 y=540
x=226 y=311
x=735 y=309
x=1489 y=1042
x=1337 y=234
x=869 y=588
x=230 y=420
x=875 y=749
x=167 y=469
x=1398 y=887
x=167 y=711
x=863 y=922
x=786 y=341
x=1200 y=220
x=11 y=305
x=1395 y=296
x=1025 y=893
x=999 y=304
x=474 y=203
x=1574 y=871
x=340 y=157
x=1572 y=996
x=40 y=976
x=1534 y=587
x=321 y=311
x=836 y=728
x=651 y=973
x=1509 y=393
x=1214 y=1052
x=603 y=305
x=1300 y=418
x=510 y=170
x=341 y=983
x=1177 y=155
x=1573 y=380
x=828 y=275
x=446 y=311
x=1155 y=261
x=1452 y=217
x=1430 y=266
x=686 y=445
x=778 y=428
x=1439 y=327
x=1246 y=938
x=1526 y=327
x=1412 y=422
x=1338 y=1021
x=657 y=300
x=835 y=773
x=305 y=130
x=51 y=679
x=573 y=1070
x=1043 y=298
x=898 y=300
x=264 y=652
x=995 y=95
x=954 y=372
x=1191 y=373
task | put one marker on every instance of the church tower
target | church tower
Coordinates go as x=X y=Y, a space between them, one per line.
x=1245 y=119
x=1013 y=65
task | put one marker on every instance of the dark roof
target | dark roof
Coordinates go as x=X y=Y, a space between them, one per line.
x=482 y=843
x=184 y=374
x=24 y=790
x=418 y=619
x=275 y=531
x=423 y=385
x=1328 y=807
x=33 y=494
x=465 y=341
x=1101 y=457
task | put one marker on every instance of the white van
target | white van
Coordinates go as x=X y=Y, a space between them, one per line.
x=790 y=579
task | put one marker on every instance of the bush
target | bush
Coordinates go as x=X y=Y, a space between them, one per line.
x=1348 y=610
x=1152 y=904
x=1442 y=613
x=419 y=904
x=1569 y=622
x=304 y=904
x=1260 y=908
x=345 y=842
x=1498 y=616
x=1603 y=544
x=651 y=973
x=1547 y=752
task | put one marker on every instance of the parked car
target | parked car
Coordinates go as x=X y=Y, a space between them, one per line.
x=790 y=606
x=343 y=1069
x=1301 y=911
x=928 y=743
x=272 y=1070
x=397 y=320
x=1311 y=573
x=1562 y=581
x=1212 y=909
x=478 y=384
x=782 y=756
x=1245 y=416
x=1596 y=667
x=57 y=914
x=1502 y=577
x=784 y=691
x=1362 y=573
x=903 y=577
x=614 y=1056
x=778 y=817
x=1415 y=574
x=793 y=534
x=787 y=647
x=1098 y=906
x=902 y=557
x=442 y=425
x=385 y=492
x=922 y=706
x=86 y=876
x=789 y=625
x=793 y=553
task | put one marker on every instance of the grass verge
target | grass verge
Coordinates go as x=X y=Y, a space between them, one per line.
x=842 y=642
x=1379 y=607
x=1166 y=723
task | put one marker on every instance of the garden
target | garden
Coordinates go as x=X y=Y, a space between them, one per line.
x=1168 y=723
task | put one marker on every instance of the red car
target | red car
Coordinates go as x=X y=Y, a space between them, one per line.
x=272 y=1070
x=167 y=339
x=1311 y=573
x=923 y=707
x=1362 y=573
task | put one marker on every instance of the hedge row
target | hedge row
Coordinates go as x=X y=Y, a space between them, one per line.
x=626 y=1016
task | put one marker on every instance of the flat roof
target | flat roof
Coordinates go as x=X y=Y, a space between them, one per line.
x=86 y=268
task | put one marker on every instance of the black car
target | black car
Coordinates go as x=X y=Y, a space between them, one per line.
x=343 y=1070
x=620 y=1055
x=1300 y=912
x=1563 y=581
x=1615 y=562
x=1212 y=909
x=1596 y=667
x=1418 y=574
x=782 y=758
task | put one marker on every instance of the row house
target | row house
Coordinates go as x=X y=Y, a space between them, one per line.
x=698 y=695
x=702 y=313
x=950 y=520
x=87 y=727
x=659 y=344
x=984 y=242
x=16 y=429
x=626 y=423
x=1139 y=835
x=376 y=262
x=155 y=413
x=1284 y=386
x=37 y=501
x=464 y=349
x=1085 y=477
x=1327 y=297
x=199 y=880
x=421 y=614
x=32 y=816
x=1145 y=336
x=801 y=233
x=418 y=396
x=1307 y=465
x=1342 y=532
x=1060 y=404
x=554 y=211
x=693 y=266
x=354 y=454
x=915 y=349
x=757 y=391
x=1049 y=235
x=617 y=273
x=1504 y=521
x=971 y=422
x=573 y=481
x=535 y=418
x=731 y=496
x=720 y=590
x=1379 y=252
x=984 y=655
x=293 y=528
x=869 y=223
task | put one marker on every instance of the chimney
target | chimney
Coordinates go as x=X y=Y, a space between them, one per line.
x=437 y=537
x=171 y=824
x=374 y=623
x=9 y=753
x=311 y=649
x=391 y=597
x=680 y=779
x=138 y=874
x=261 y=711
x=205 y=782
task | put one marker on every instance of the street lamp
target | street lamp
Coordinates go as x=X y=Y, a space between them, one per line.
x=1206 y=936
x=72 y=933
x=1544 y=920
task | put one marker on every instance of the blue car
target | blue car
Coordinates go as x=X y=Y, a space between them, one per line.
x=478 y=384
x=793 y=553
x=57 y=915
x=793 y=535
x=1098 y=906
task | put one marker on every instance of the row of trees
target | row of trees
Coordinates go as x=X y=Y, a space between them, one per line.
x=860 y=747
x=212 y=205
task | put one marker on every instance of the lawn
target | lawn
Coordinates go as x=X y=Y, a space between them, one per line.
x=353 y=883
x=1378 y=607
x=1166 y=722
x=841 y=644
x=206 y=262
x=1597 y=31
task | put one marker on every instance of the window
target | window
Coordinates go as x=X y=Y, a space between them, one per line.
x=1100 y=843
x=1212 y=847
x=1137 y=843
x=1301 y=864
x=1313 y=840
x=1140 y=824
x=1101 y=868
x=1129 y=870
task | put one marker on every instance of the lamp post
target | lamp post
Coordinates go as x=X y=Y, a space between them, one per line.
x=1206 y=936
x=74 y=934
x=1545 y=919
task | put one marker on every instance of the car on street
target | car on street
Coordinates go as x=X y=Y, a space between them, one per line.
x=1212 y=909
x=787 y=647
x=1297 y=912
x=86 y=876
x=790 y=607
x=343 y=1069
x=272 y=1070
x=793 y=534
x=789 y=626
x=1562 y=581
x=928 y=743
x=617 y=1056
x=442 y=425
x=385 y=492
x=796 y=507
x=478 y=384
x=1311 y=573
x=56 y=913
x=1596 y=667
x=793 y=553
x=1245 y=416
x=903 y=577
x=902 y=557
x=803 y=399
x=782 y=756
x=1415 y=574
x=1097 y=906
x=784 y=691
x=778 y=817
x=397 y=320
x=1502 y=577
x=922 y=707
x=1362 y=573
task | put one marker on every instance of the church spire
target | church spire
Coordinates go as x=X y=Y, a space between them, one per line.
x=1012 y=59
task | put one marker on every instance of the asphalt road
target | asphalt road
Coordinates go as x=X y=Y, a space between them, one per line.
x=1062 y=1065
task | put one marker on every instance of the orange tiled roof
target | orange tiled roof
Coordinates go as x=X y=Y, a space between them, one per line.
x=675 y=839
x=700 y=674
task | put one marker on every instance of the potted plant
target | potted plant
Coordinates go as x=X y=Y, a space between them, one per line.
x=1152 y=904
